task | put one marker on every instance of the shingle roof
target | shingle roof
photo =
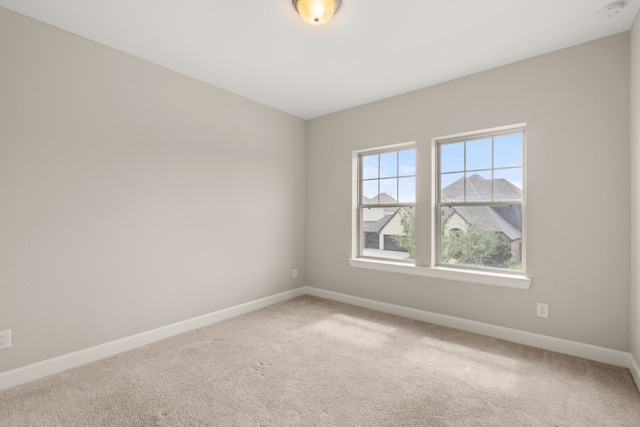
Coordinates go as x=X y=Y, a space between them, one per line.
x=504 y=219
x=382 y=199
x=490 y=219
x=479 y=188
x=376 y=226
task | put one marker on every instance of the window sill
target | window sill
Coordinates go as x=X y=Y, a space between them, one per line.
x=512 y=281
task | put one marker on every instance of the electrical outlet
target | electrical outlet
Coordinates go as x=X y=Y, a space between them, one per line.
x=543 y=310
x=5 y=339
x=294 y=274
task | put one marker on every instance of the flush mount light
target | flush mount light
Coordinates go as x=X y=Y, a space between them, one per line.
x=316 y=12
x=611 y=11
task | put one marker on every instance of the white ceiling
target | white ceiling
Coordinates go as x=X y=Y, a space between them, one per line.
x=371 y=49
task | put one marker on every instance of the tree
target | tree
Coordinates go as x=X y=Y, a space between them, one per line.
x=407 y=240
x=475 y=246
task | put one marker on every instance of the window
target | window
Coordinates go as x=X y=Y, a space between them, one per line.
x=479 y=203
x=468 y=225
x=386 y=203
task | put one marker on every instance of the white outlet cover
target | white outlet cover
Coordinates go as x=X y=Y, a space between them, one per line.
x=5 y=339
x=542 y=310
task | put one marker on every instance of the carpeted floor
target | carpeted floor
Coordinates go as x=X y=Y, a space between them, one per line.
x=313 y=362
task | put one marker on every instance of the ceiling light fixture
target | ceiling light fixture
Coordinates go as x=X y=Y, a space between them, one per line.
x=316 y=12
x=612 y=10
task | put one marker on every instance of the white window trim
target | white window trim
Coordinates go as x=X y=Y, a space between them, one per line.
x=519 y=127
x=489 y=278
x=355 y=203
x=471 y=276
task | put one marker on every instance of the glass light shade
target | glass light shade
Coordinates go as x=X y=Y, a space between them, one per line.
x=316 y=12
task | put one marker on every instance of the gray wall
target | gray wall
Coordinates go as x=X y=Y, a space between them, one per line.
x=635 y=189
x=576 y=104
x=133 y=197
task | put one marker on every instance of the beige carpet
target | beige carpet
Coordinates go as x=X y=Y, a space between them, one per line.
x=310 y=361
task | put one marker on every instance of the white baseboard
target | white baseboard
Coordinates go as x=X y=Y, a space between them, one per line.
x=78 y=358
x=573 y=348
x=635 y=370
x=54 y=365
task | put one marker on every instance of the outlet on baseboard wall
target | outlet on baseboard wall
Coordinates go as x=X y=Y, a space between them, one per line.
x=5 y=339
x=543 y=310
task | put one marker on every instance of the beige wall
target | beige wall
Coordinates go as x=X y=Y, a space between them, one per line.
x=133 y=197
x=635 y=189
x=576 y=104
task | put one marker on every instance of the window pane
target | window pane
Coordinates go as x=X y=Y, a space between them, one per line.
x=479 y=154
x=388 y=190
x=452 y=157
x=407 y=162
x=485 y=236
x=370 y=192
x=452 y=187
x=407 y=189
x=370 y=166
x=389 y=164
x=507 y=150
x=479 y=186
x=508 y=184
x=388 y=233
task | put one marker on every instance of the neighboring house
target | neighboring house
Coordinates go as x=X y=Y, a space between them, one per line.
x=380 y=225
x=505 y=220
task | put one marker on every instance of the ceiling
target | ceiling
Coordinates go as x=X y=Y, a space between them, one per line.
x=370 y=50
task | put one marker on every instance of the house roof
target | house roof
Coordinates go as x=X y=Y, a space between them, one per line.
x=479 y=188
x=504 y=219
x=489 y=218
x=376 y=226
x=383 y=199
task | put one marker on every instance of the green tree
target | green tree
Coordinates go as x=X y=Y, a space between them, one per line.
x=475 y=246
x=407 y=240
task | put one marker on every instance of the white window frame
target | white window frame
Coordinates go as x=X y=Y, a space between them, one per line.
x=465 y=137
x=428 y=267
x=358 y=248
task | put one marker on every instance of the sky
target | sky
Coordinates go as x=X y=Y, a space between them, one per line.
x=507 y=159
x=394 y=172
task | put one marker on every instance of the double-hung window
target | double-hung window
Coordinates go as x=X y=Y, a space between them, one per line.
x=480 y=201
x=476 y=228
x=386 y=203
